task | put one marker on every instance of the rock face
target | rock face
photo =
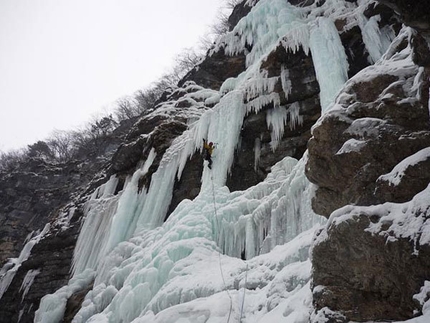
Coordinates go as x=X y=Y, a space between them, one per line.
x=50 y=261
x=413 y=13
x=372 y=148
x=33 y=197
x=366 y=276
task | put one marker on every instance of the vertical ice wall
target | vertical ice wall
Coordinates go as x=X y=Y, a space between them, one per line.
x=109 y=219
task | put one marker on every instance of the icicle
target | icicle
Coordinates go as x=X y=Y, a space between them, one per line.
x=276 y=119
x=257 y=152
x=160 y=192
x=259 y=85
x=53 y=306
x=28 y=281
x=262 y=29
x=295 y=119
x=285 y=81
x=228 y=85
x=262 y=101
x=296 y=36
x=224 y=130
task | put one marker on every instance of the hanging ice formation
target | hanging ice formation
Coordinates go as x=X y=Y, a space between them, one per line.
x=145 y=270
x=7 y=273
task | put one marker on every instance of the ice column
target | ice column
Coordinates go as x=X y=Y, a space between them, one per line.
x=376 y=40
x=329 y=58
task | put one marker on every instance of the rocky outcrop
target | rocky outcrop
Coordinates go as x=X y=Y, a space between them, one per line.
x=371 y=149
x=379 y=120
x=32 y=197
x=215 y=69
x=414 y=13
x=50 y=264
x=367 y=276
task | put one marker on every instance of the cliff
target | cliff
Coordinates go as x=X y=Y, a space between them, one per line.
x=318 y=110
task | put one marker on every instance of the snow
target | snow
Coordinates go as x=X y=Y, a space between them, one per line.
x=52 y=307
x=365 y=128
x=351 y=145
x=396 y=64
x=407 y=220
x=423 y=296
x=395 y=176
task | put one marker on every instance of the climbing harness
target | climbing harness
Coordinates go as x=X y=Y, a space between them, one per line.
x=219 y=256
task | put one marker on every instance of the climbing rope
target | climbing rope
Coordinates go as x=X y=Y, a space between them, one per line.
x=219 y=256
x=244 y=291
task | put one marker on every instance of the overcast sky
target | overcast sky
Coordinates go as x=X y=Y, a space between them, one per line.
x=62 y=61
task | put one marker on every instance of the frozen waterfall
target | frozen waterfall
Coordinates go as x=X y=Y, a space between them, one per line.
x=242 y=254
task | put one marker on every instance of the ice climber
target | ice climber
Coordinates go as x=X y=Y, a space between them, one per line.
x=208 y=150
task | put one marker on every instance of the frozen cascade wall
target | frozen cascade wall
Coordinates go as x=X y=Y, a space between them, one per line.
x=179 y=261
x=145 y=270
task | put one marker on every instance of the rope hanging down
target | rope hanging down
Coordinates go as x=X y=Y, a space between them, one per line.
x=219 y=255
x=244 y=291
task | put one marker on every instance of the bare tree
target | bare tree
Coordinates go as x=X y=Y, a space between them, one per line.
x=146 y=99
x=188 y=59
x=61 y=144
x=221 y=25
x=9 y=161
x=40 y=149
x=126 y=108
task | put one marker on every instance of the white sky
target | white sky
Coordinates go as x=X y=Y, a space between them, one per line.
x=62 y=61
